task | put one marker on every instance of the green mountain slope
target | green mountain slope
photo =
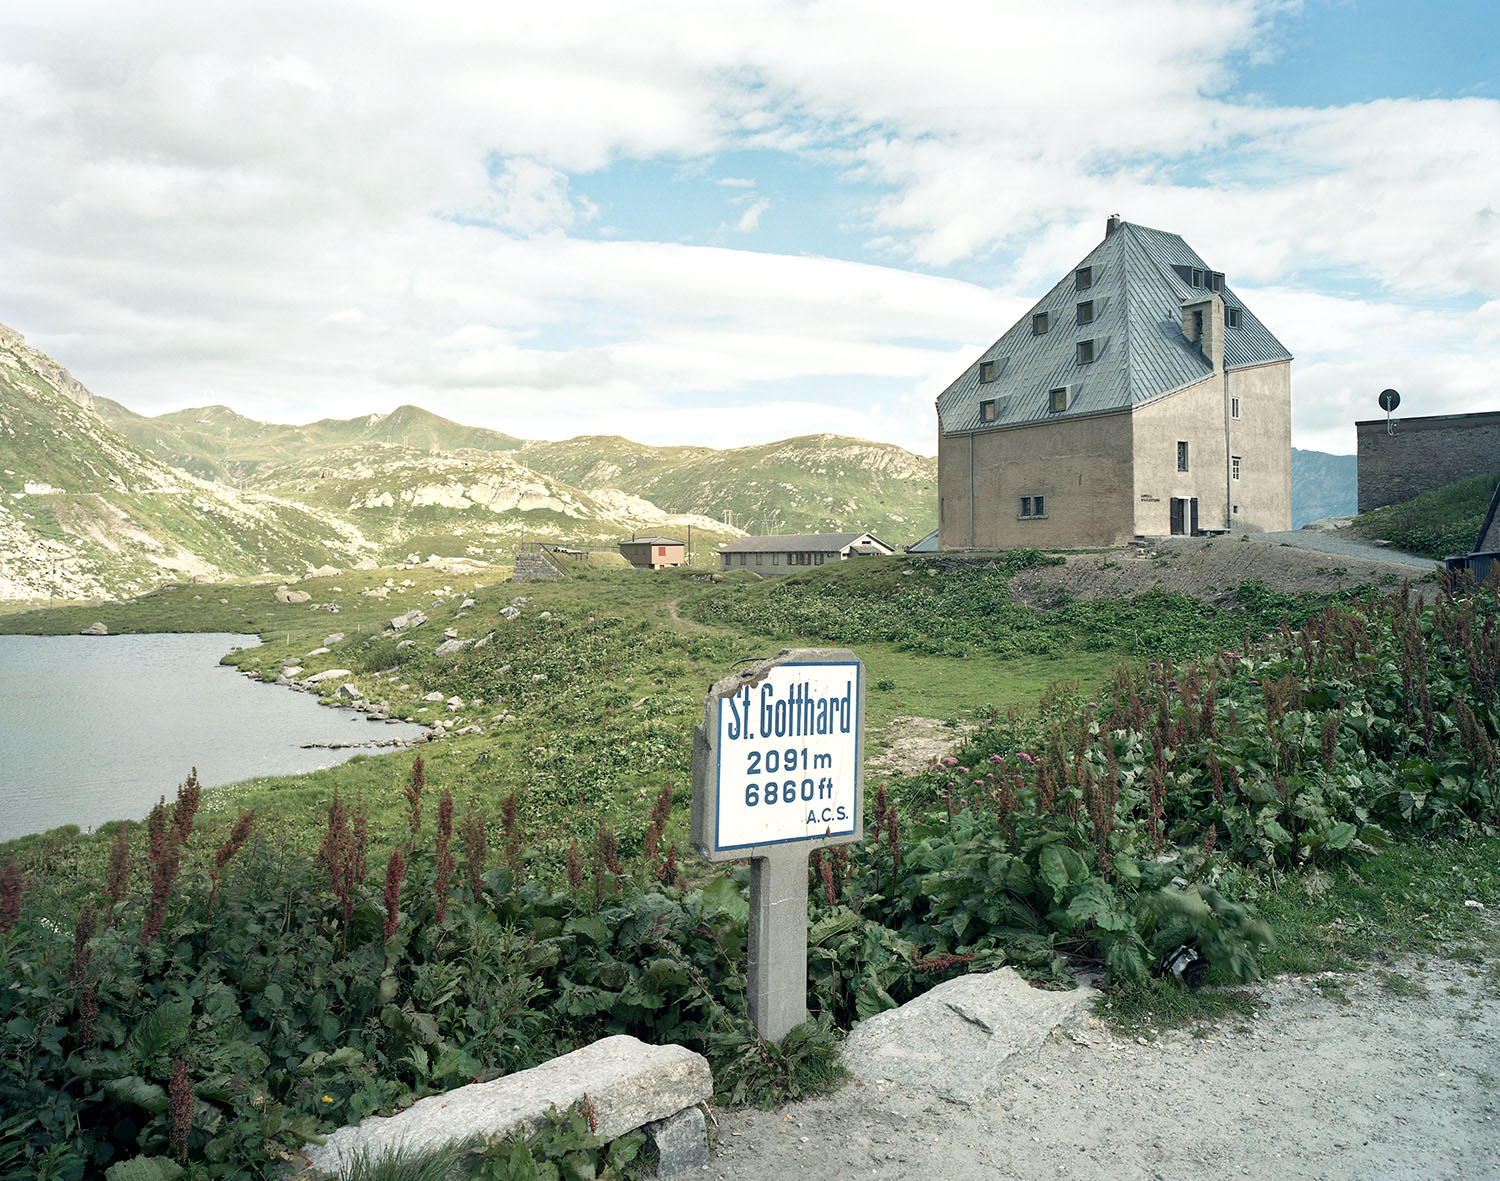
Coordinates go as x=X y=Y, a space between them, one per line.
x=84 y=512
x=216 y=443
x=811 y=484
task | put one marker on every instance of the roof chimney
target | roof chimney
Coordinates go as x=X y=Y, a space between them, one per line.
x=1112 y=224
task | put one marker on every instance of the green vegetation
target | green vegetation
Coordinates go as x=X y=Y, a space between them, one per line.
x=1318 y=791
x=1437 y=524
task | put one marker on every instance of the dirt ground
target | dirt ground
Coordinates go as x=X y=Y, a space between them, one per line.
x=1209 y=569
x=1387 y=1074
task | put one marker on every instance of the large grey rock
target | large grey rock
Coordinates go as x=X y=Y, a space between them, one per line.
x=450 y=647
x=95 y=629
x=629 y=1083
x=330 y=641
x=331 y=674
x=285 y=594
x=960 y=1039
x=350 y=693
x=680 y=1143
x=364 y=564
x=412 y=618
x=509 y=613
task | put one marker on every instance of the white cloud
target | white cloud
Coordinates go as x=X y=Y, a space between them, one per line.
x=278 y=205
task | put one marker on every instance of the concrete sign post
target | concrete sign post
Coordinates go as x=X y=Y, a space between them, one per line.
x=778 y=771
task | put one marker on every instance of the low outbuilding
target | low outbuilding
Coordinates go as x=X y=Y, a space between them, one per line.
x=654 y=553
x=787 y=553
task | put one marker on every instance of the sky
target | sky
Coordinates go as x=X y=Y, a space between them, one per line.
x=735 y=222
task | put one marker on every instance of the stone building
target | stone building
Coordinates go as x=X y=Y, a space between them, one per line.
x=1139 y=397
x=791 y=552
x=1420 y=454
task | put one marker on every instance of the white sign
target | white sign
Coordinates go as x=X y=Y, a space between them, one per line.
x=788 y=750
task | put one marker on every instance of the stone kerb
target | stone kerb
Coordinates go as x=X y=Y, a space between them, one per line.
x=629 y=1083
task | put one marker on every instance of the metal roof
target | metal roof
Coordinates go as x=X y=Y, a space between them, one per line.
x=795 y=543
x=1140 y=352
x=653 y=541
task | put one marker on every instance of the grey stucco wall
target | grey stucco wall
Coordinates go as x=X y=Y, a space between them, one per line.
x=1423 y=454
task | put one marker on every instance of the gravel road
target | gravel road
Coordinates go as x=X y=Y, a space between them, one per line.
x=1332 y=543
x=1382 y=1075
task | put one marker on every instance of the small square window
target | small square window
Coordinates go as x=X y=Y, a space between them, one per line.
x=1234 y=407
x=1039 y=324
x=1033 y=506
x=987 y=411
x=1234 y=466
x=1232 y=317
x=1085 y=351
x=1086 y=312
x=986 y=371
x=1057 y=400
x=1083 y=278
x=1182 y=457
x=1197 y=278
x=1216 y=280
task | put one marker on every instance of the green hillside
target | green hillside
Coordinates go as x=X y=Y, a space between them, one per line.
x=811 y=484
x=84 y=512
x=218 y=444
x=1436 y=524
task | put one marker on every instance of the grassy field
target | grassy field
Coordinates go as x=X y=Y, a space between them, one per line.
x=1436 y=524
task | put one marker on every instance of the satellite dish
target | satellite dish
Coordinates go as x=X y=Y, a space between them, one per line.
x=1389 y=400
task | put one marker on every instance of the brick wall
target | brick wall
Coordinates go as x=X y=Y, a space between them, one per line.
x=1423 y=454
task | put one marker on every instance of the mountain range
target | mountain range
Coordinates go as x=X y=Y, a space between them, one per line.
x=98 y=500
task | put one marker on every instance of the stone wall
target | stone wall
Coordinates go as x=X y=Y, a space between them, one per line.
x=1423 y=454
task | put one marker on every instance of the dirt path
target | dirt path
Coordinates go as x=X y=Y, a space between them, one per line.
x=1210 y=569
x=1381 y=1085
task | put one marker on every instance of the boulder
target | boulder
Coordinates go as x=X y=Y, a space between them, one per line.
x=466 y=604
x=629 y=1083
x=365 y=564
x=450 y=647
x=961 y=1038
x=450 y=633
x=330 y=641
x=95 y=629
x=376 y=592
x=412 y=618
x=349 y=693
x=321 y=572
x=433 y=696
x=455 y=703
x=332 y=674
x=509 y=613
x=285 y=594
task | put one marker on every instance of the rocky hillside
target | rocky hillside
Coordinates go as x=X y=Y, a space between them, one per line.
x=1323 y=485
x=812 y=484
x=84 y=512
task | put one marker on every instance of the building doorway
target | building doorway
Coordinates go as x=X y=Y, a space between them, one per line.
x=1184 y=516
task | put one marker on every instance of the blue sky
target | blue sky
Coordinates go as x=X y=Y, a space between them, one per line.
x=732 y=223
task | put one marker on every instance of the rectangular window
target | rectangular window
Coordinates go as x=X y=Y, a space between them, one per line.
x=1197 y=278
x=987 y=411
x=820 y=559
x=661 y=551
x=1234 y=466
x=1033 y=507
x=1085 y=351
x=1039 y=324
x=1182 y=457
x=1057 y=400
x=758 y=558
x=1083 y=278
x=1232 y=317
x=1234 y=407
x=1086 y=312
x=775 y=559
x=742 y=559
x=1216 y=280
x=986 y=371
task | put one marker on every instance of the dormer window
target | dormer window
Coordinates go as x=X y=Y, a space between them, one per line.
x=987 y=411
x=1086 y=312
x=1057 y=400
x=1231 y=317
x=1085 y=351
x=1216 y=280
x=987 y=372
x=1083 y=278
x=1197 y=278
x=1039 y=324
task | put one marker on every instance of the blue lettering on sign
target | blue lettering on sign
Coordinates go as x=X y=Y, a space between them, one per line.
x=797 y=714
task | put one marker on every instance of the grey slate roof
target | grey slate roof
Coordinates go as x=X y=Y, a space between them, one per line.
x=1140 y=352
x=790 y=543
